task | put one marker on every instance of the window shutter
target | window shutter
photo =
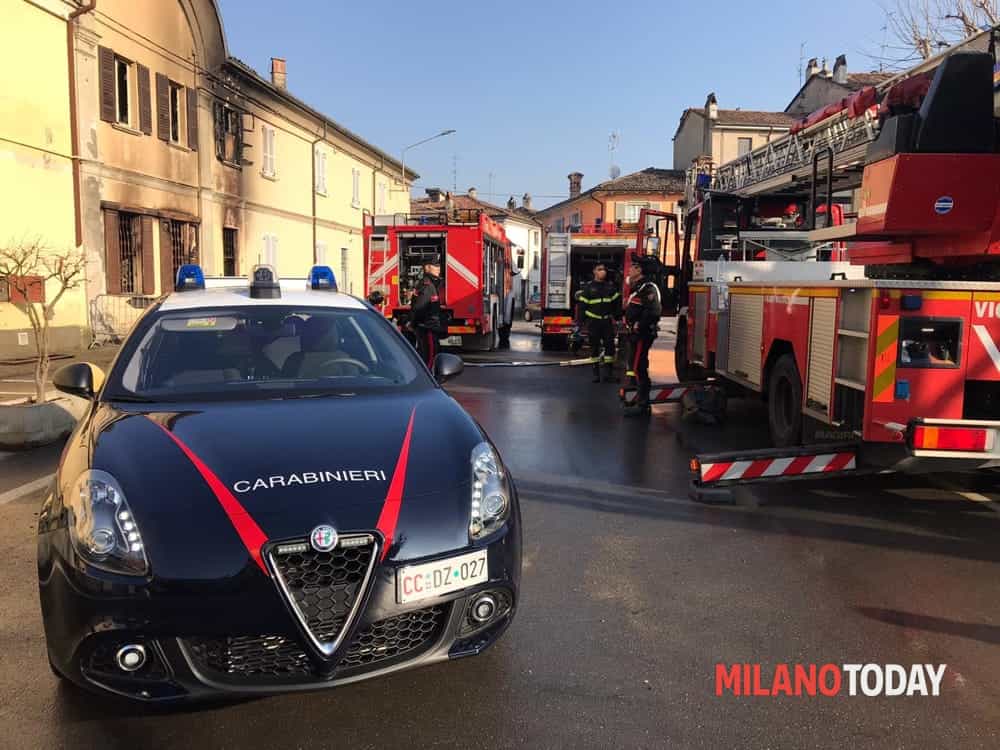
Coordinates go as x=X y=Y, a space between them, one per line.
x=219 y=122
x=146 y=247
x=323 y=172
x=112 y=253
x=274 y=159
x=106 y=66
x=145 y=105
x=191 y=95
x=166 y=258
x=162 y=107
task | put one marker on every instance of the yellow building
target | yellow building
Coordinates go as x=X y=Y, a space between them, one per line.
x=36 y=165
x=184 y=154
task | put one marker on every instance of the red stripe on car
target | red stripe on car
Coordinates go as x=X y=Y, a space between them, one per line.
x=250 y=533
x=394 y=497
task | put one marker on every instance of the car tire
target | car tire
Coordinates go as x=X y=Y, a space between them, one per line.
x=56 y=673
x=784 y=403
x=527 y=316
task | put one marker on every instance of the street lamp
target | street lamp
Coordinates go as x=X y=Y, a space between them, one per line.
x=402 y=159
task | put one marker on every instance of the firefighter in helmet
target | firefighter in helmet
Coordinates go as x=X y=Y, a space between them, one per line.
x=425 y=311
x=600 y=303
x=642 y=318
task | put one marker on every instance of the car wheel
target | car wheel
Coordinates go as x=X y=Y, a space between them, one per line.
x=784 y=405
x=527 y=316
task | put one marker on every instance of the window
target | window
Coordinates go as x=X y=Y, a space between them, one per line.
x=535 y=261
x=123 y=85
x=628 y=213
x=228 y=134
x=182 y=244
x=929 y=343
x=575 y=221
x=321 y=254
x=130 y=253
x=270 y=250
x=344 y=279
x=176 y=112
x=356 y=188
x=560 y=225
x=267 y=166
x=320 y=172
x=744 y=146
x=268 y=352
x=230 y=259
x=380 y=193
x=534 y=237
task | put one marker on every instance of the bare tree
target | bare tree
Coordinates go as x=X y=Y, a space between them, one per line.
x=918 y=29
x=33 y=271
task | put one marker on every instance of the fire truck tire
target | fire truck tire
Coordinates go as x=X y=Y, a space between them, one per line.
x=784 y=404
x=681 y=364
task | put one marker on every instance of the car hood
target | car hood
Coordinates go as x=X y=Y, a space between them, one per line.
x=199 y=475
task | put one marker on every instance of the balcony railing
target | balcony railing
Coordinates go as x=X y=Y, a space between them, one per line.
x=604 y=228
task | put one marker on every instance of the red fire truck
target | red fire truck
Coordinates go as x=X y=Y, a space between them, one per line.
x=890 y=357
x=475 y=263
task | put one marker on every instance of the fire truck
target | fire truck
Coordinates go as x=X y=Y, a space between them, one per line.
x=848 y=274
x=478 y=301
x=568 y=260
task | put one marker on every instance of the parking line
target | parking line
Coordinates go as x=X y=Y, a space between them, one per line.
x=25 y=489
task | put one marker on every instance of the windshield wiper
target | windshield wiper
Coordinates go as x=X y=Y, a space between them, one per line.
x=132 y=399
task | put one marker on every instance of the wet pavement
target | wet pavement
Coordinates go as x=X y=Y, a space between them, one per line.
x=631 y=595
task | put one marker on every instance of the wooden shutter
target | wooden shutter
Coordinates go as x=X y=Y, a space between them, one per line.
x=145 y=104
x=191 y=96
x=148 y=259
x=162 y=107
x=112 y=253
x=106 y=67
x=167 y=279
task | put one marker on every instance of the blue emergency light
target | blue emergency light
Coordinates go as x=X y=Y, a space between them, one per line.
x=321 y=278
x=189 y=277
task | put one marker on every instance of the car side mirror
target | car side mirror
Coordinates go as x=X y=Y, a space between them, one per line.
x=447 y=366
x=80 y=379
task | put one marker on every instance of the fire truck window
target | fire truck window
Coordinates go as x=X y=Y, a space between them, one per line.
x=924 y=342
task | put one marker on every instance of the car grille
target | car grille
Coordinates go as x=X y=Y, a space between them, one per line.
x=270 y=659
x=325 y=586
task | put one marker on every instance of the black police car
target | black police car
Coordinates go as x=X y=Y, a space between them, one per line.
x=271 y=493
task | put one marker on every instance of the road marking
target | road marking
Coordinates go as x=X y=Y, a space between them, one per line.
x=26 y=489
x=16 y=380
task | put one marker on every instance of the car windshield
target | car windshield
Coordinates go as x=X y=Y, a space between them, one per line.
x=262 y=352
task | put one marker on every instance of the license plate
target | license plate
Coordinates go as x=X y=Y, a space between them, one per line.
x=416 y=582
x=451 y=341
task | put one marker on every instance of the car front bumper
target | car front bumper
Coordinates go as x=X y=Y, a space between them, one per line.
x=237 y=637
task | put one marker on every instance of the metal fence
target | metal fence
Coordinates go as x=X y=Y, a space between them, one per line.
x=112 y=315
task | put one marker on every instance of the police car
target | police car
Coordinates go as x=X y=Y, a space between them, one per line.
x=270 y=492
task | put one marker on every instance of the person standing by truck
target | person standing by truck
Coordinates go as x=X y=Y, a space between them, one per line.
x=642 y=318
x=600 y=304
x=425 y=311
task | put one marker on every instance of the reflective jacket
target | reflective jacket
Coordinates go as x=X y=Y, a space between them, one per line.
x=642 y=312
x=426 y=306
x=600 y=300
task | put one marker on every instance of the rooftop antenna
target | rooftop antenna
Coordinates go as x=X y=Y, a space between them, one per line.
x=454 y=174
x=802 y=62
x=614 y=171
x=885 y=41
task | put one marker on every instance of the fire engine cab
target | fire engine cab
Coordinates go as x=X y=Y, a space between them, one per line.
x=848 y=274
x=478 y=302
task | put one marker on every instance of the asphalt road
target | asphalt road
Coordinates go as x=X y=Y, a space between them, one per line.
x=631 y=595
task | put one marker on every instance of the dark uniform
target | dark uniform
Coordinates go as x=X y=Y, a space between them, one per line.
x=600 y=304
x=425 y=311
x=642 y=315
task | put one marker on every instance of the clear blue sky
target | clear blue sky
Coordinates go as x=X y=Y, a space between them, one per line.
x=534 y=88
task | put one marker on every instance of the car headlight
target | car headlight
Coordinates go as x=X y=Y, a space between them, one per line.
x=101 y=525
x=490 y=503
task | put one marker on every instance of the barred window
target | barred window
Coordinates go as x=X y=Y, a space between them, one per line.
x=230 y=266
x=130 y=253
x=183 y=247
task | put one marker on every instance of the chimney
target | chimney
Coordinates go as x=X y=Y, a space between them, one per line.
x=812 y=69
x=711 y=117
x=435 y=194
x=825 y=71
x=279 y=72
x=526 y=201
x=473 y=193
x=575 y=180
x=712 y=107
x=511 y=203
x=840 y=70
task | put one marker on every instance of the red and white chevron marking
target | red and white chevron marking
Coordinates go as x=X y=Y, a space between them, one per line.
x=777 y=467
x=658 y=395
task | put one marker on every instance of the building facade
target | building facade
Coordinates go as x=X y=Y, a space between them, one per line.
x=721 y=135
x=824 y=86
x=185 y=154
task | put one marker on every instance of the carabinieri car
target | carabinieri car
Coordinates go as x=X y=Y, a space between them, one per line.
x=269 y=493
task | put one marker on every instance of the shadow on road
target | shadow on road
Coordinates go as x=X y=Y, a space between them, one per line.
x=974 y=631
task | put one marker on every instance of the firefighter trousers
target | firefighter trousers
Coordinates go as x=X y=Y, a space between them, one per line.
x=427 y=346
x=639 y=367
x=601 y=334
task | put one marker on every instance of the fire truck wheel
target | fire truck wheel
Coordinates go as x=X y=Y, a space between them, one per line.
x=681 y=364
x=784 y=405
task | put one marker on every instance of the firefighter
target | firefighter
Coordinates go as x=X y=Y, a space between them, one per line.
x=642 y=318
x=600 y=304
x=425 y=311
